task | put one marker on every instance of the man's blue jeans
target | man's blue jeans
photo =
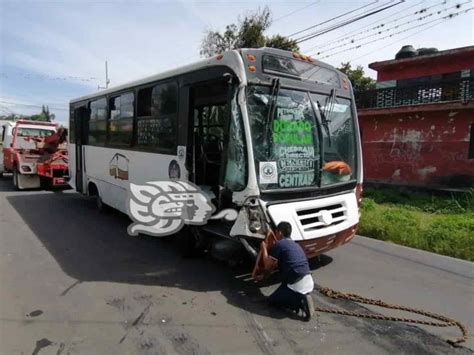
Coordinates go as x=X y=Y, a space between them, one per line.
x=286 y=298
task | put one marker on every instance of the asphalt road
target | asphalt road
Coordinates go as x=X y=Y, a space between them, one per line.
x=73 y=282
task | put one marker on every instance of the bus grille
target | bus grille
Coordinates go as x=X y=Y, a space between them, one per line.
x=322 y=217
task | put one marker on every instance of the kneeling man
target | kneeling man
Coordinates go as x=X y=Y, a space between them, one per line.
x=295 y=291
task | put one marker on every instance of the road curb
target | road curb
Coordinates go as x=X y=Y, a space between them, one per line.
x=449 y=264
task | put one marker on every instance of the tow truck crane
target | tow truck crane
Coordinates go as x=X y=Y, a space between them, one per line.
x=36 y=153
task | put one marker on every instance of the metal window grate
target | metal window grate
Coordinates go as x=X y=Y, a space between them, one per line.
x=442 y=91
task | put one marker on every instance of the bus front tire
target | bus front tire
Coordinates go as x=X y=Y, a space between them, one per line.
x=191 y=243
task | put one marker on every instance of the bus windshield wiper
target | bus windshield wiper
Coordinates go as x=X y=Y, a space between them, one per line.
x=326 y=113
x=272 y=104
x=324 y=121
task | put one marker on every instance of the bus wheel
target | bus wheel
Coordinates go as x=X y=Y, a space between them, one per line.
x=94 y=193
x=101 y=206
x=191 y=242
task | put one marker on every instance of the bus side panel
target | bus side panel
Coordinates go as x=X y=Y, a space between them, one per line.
x=112 y=170
x=72 y=165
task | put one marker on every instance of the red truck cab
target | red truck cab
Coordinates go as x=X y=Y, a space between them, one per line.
x=25 y=156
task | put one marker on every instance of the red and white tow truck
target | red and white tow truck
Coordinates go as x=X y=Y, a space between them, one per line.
x=33 y=155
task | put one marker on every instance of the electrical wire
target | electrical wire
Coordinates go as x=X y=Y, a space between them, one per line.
x=444 y=18
x=350 y=21
x=26 y=75
x=366 y=28
x=379 y=32
x=295 y=11
x=331 y=19
x=32 y=105
x=401 y=39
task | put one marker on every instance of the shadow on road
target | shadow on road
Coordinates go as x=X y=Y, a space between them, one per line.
x=93 y=246
x=6 y=183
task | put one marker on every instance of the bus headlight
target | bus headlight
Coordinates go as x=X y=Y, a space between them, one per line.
x=255 y=225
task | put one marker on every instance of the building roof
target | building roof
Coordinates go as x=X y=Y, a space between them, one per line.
x=422 y=59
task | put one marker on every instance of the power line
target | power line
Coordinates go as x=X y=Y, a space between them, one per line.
x=393 y=27
x=33 y=105
x=316 y=34
x=346 y=35
x=26 y=75
x=331 y=19
x=295 y=11
x=401 y=39
x=444 y=18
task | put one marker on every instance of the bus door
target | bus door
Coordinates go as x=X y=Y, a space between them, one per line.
x=81 y=116
x=208 y=120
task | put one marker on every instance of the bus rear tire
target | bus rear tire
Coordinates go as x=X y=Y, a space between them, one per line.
x=101 y=205
x=94 y=193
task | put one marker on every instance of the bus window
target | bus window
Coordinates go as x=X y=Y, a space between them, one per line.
x=144 y=102
x=121 y=120
x=98 y=122
x=158 y=130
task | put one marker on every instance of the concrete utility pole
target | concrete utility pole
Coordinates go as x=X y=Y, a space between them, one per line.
x=107 y=80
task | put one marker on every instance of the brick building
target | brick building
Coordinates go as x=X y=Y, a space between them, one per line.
x=417 y=126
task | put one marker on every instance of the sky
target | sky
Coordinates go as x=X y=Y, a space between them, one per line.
x=53 y=51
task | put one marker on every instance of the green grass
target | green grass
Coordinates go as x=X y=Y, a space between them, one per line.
x=440 y=224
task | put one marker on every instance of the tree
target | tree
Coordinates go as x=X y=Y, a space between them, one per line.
x=360 y=82
x=248 y=33
x=283 y=42
x=45 y=115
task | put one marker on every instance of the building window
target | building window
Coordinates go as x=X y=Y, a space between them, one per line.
x=98 y=122
x=121 y=119
x=157 y=116
x=471 y=143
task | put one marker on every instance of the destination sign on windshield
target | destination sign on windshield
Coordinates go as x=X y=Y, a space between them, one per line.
x=304 y=70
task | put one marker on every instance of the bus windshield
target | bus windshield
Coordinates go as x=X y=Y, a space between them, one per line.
x=300 y=140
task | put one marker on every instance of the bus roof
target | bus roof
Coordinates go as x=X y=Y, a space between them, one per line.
x=233 y=59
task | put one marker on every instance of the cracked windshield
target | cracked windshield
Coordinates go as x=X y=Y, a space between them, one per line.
x=292 y=131
x=236 y=177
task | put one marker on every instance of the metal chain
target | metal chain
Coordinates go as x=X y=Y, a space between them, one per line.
x=445 y=321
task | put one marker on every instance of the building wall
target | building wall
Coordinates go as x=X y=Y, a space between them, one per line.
x=427 y=145
x=448 y=61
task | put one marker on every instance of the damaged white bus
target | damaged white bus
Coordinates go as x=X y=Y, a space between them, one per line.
x=269 y=133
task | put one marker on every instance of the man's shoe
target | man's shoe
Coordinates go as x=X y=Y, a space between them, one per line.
x=307 y=306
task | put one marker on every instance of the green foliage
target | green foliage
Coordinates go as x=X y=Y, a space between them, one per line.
x=430 y=203
x=360 y=82
x=443 y=225
x=45 y=115
x=248 y=33
x=282 y=42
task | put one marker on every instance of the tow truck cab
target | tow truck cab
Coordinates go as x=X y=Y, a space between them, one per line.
x=24 y=156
